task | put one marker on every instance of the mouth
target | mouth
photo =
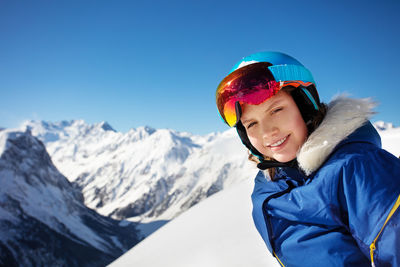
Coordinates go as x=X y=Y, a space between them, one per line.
x=278 y=144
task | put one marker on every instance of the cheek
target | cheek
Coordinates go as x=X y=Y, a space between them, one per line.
x=256 y=142
x=300 y=129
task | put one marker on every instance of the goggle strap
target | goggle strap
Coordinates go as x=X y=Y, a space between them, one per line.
x=238 y=110
x=291 y=73
x=245 y=140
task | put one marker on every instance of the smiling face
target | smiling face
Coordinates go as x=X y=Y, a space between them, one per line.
x=275 y=127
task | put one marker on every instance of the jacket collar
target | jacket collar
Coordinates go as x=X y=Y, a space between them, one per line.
x=344 y=116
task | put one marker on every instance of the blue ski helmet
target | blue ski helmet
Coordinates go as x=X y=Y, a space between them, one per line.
x=260 y=76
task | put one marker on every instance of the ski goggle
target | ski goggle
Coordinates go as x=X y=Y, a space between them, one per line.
x=252 y=84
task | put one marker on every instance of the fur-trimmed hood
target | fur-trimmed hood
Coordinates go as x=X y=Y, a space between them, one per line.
x=344 y=116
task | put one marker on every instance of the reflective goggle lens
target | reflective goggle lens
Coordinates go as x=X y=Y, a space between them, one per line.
x=254 y=98
x=252 y=84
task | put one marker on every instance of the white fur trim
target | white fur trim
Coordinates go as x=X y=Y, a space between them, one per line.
x=343 y=117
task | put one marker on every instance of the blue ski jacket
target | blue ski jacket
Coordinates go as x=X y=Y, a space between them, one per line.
x=340 y=207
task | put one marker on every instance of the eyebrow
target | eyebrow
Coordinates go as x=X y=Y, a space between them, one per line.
x=245 y=121
x=274 y=103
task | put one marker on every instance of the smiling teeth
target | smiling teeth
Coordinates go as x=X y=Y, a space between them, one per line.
x=279 y=142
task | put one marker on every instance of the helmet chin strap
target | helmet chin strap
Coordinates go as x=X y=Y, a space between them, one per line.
x=266 y=164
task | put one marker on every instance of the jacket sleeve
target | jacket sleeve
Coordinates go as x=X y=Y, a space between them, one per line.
x=370 y=199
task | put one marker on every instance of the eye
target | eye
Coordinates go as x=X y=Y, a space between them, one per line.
x=251 y=124
x=276 y=110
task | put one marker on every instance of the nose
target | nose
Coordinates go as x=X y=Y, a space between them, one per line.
x=269 y=132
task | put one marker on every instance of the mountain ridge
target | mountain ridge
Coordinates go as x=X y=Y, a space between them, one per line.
x=145 y=172
x=43 y=219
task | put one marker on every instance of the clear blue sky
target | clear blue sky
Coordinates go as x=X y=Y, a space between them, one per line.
x=158 y=63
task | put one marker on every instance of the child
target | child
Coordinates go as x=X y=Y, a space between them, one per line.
x=331 y=195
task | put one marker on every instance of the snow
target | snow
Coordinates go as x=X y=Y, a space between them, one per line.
x=47 y=203
x=391 y=139
x=217 y=232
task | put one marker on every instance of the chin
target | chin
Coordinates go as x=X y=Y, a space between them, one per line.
x=284 y=159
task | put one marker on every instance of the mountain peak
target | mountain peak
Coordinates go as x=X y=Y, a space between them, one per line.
x=106 y=126
x=148 y=129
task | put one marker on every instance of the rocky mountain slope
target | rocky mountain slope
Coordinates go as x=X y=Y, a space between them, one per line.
x=43 y=220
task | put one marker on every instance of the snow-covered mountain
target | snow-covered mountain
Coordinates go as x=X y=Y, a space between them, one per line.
x=43 y=220
x=218 y=232
x=146 y=174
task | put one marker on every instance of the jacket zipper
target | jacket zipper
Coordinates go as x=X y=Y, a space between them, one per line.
x=372 y=247
x=268 y=219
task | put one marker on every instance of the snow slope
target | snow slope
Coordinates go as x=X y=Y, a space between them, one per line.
x=390 y=137
x=217 y=232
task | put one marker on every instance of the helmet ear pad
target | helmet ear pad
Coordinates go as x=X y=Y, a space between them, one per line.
x=307 y=100
x=241 y=130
